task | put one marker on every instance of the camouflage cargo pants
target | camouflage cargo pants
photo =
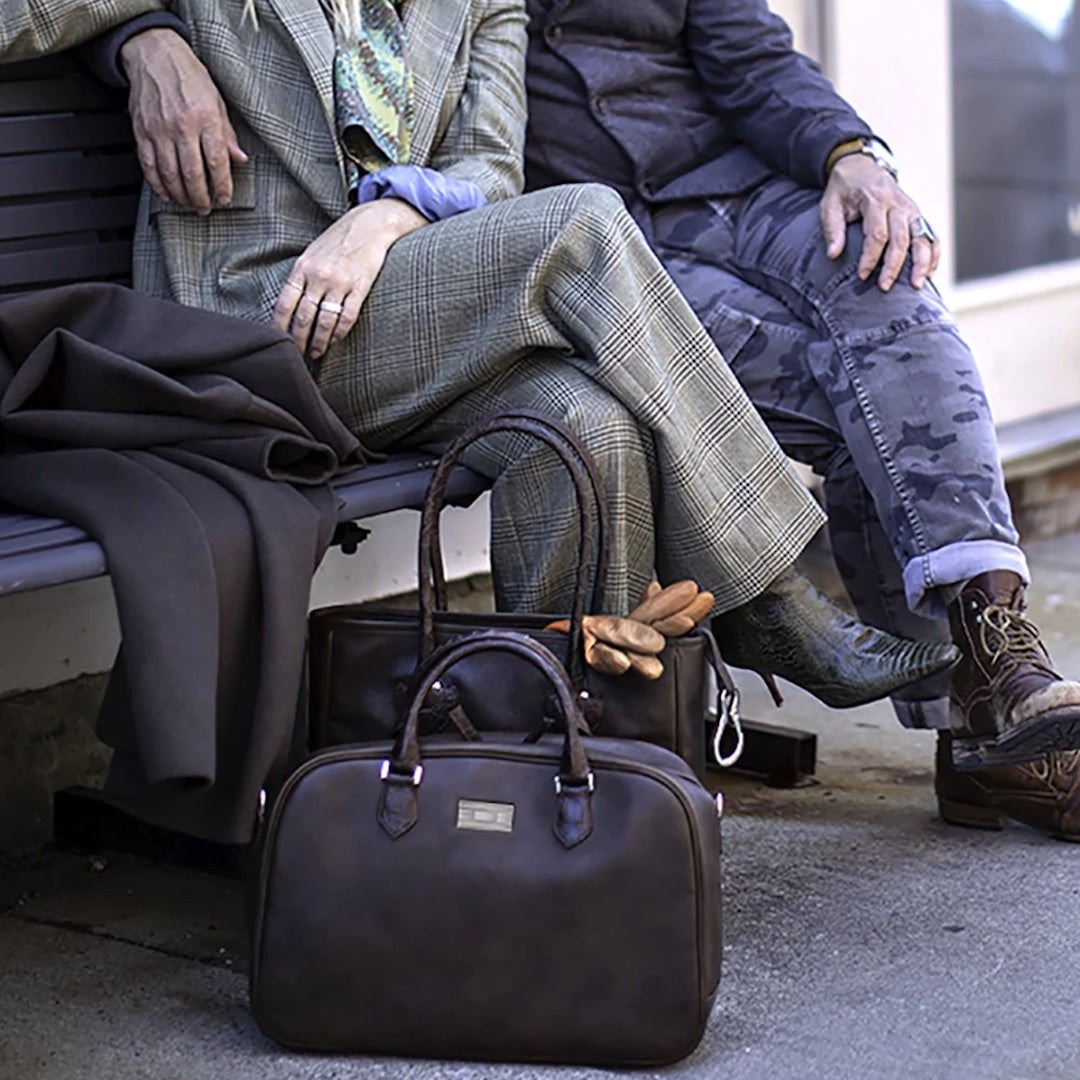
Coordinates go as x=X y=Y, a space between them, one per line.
x=875 y=391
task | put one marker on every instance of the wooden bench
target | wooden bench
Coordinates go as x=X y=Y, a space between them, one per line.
x=69 y=187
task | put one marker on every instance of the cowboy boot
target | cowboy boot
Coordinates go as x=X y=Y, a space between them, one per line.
x=1009 y=705
x=791 y=630
x=1044 y=794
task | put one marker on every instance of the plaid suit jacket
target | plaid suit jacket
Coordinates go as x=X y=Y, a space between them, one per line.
x=468 y=62
x=30 y=28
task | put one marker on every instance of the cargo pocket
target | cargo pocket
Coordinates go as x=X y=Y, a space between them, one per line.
x=729 y=328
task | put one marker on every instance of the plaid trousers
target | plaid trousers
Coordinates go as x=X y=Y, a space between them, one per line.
x=554 y=301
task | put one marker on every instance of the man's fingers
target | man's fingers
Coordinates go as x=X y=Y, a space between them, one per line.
x=168 y=168
x=875 y=237
x=896 y=251
x=218 y=167
x=923 y=260
x=193 y=177
x=833 y=224
x=148 y=163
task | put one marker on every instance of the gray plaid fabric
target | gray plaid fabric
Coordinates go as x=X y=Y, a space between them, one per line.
x=29 y=28
x=553 y=301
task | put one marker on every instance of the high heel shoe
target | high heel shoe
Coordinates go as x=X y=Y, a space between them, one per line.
x=793 y=631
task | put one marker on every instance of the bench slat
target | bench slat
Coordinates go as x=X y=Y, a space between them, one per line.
x=56 y=566
x=38 y=552
x=41 y=174
x=53 y=266
x=44 y=538
x=34 y=134
x=53 y=218
x=73 y=93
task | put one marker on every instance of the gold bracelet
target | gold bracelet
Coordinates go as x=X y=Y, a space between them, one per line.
x=852 y=146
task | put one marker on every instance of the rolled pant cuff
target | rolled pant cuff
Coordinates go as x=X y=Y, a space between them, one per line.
x=953 y=564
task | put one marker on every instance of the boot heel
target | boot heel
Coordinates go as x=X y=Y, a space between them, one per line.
x=974 y=817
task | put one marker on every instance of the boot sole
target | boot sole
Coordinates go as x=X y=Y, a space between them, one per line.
x=1058 y=729
x=990 y=819
x=970 y=815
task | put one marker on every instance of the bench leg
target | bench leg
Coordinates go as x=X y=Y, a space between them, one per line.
x=83 y=820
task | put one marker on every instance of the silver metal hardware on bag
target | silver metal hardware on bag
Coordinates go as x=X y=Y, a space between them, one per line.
x=261 y=812
x=719 y=804
x=417 y=773
x=590 y=782
x=729 y=714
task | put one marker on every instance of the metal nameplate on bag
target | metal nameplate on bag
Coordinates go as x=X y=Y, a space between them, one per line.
x=485 y=816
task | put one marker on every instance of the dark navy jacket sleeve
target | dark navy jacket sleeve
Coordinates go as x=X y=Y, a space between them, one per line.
x=776 y=100
x=102 y=55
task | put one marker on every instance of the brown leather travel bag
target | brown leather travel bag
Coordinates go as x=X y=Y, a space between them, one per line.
x=363 y=658
x=555 y=900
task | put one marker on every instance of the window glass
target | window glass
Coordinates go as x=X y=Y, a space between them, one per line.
x=1016 y=123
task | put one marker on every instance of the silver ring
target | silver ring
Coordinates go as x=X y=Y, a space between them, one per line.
x=921 y=227
x=333 y=308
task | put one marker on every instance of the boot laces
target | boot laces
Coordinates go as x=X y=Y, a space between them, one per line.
x=1006 y=634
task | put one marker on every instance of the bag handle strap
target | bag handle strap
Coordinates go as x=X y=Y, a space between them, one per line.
x=592 y=517
x=402 y=772
x=556 y=432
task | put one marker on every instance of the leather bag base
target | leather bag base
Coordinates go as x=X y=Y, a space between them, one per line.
x=363 y=659
x=477 y=934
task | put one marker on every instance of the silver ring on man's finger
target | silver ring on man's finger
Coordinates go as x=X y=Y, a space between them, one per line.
x=331 y=306
x=921 y=227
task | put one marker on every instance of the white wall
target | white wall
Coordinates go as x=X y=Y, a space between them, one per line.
x=891 y=59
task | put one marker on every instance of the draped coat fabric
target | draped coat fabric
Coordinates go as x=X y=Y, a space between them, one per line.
x=549 y=301
x=196 y=449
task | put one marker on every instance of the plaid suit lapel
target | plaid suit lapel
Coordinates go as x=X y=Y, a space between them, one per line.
x=434 y=29
x=310 y=32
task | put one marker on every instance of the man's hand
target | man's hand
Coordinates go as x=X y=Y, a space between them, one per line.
x=322 y=296
x=185 y=143
x=860 y=188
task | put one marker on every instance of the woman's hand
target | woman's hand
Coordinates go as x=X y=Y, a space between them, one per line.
x=321 y=299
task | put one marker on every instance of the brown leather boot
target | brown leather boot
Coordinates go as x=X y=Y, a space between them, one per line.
x=1044 y=794
x=1009 y=705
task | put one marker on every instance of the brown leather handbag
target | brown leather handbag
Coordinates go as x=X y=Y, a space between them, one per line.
x=363 y=659
x=505 y=900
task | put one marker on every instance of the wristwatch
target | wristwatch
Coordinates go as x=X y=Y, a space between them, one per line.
x=879 y=152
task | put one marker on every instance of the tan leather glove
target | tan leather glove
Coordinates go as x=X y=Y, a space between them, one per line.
x=674 y=610
x=615 y=644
